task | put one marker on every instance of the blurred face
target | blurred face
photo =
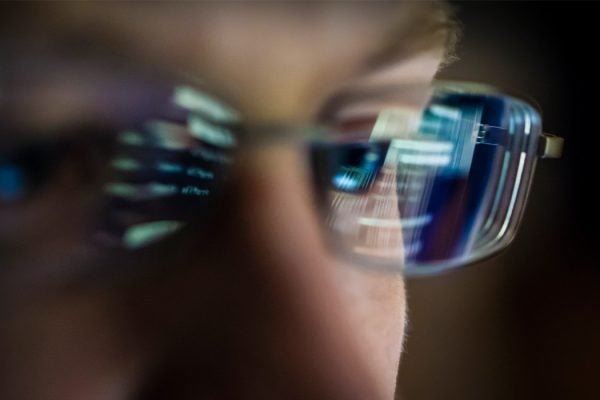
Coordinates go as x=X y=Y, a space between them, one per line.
x=248 y=304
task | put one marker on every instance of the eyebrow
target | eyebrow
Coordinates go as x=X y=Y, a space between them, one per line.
x=431 y=27
x=47 y=96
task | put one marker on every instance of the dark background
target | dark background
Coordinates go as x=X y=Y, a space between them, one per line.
x=526 y=324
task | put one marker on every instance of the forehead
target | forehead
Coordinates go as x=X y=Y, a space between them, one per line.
x=183 y=30
x=272 y=59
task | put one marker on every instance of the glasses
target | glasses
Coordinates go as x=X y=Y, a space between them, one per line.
x=412 y=178
x=433 y=176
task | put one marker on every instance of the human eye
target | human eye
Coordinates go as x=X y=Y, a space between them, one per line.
x=26 y=168
x=125 y=178
x=49 y=184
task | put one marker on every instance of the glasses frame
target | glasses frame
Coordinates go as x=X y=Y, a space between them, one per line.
x=532 y=146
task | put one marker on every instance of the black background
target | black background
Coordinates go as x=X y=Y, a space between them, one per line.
x=525 y=325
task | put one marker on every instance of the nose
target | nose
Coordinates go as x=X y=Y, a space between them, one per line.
x=276 y=328
x=303 y=332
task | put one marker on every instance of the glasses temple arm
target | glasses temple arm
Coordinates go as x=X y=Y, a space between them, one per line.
x=550 y=146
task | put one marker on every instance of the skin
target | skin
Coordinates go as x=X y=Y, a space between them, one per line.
x=264 y=310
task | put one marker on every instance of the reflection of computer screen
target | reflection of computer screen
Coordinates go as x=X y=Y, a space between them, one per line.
x=411 y=187
x=167 y=170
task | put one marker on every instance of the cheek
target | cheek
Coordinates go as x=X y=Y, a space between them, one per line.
x=376 y=304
